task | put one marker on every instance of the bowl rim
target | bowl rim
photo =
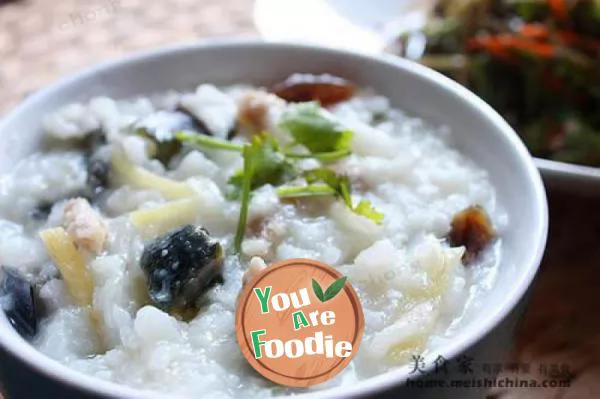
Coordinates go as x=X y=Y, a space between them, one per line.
x=26 y=353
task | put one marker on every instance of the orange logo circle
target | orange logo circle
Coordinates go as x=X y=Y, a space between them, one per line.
x=299 y=322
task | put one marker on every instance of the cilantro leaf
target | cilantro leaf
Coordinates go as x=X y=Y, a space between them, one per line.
x=269 y=166
x=340 y=184
x=316 y=128
x=326 y=176
x=365 y=208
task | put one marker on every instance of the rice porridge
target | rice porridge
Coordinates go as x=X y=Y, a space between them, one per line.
x=126 y=239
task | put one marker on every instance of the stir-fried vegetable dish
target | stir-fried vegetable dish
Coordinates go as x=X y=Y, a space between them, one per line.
x=535 y=61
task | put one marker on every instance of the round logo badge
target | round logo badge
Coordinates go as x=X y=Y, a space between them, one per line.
x=299 y=322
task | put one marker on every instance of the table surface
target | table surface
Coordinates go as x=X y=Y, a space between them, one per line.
x=42 y=40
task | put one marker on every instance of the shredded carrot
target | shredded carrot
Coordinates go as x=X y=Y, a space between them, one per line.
x=540 y=32
x=491 y=46
x=559 y=9
x=544 y=50
x=503 y=44
x=534 y=31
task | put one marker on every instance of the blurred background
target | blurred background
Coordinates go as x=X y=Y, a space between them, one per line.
x=41 y=41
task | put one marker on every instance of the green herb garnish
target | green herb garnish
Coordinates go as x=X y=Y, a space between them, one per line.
x=265 y=162
x=204 y=141
x=312 y=190
x=245 y=196
x=329 y=177
x=340 y=185
x=316 y=128
x=365 y=208
x=269 y=165
x=323 y=156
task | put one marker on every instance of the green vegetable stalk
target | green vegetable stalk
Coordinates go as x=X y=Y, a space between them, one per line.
x=245 y=195
x=312 y=190
x=204 y=141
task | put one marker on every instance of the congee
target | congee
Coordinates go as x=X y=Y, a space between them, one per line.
x=126 y=239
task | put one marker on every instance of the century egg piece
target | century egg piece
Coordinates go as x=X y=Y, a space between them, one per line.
x=161 y=127
x=181 y=267
x=17 y=299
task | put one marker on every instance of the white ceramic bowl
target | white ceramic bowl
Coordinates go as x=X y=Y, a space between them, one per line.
x=479 y=132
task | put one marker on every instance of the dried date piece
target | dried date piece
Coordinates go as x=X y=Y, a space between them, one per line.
x=472 y=229
x=326 y=89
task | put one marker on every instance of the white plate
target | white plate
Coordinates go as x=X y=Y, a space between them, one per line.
x=369 y=27
x=358 y=25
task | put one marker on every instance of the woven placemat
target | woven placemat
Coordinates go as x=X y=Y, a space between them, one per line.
x=42 y=40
